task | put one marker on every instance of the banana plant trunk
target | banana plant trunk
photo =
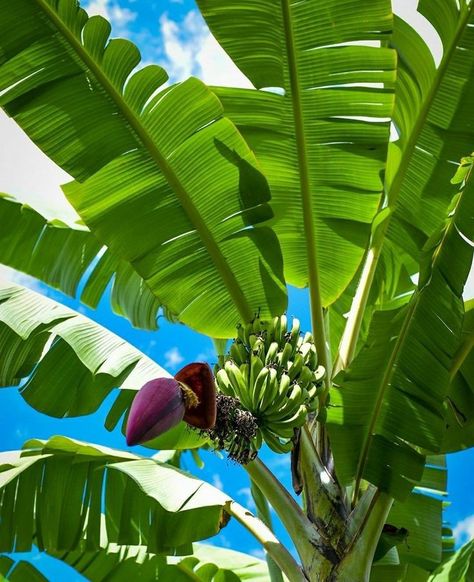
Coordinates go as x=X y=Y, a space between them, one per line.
x=354 y=561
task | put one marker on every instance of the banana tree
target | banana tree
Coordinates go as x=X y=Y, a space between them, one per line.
x=205 y=203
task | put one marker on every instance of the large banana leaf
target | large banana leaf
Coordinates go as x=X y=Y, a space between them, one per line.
x=433 y=114
x=390 y=403
x=207 y=563
x=61 y=254
x=20 y=571
x=422 y=547
x=53 y=494
x=392 y=283
x=459 y=568
x=71 y=363
x=164 y=179
x=322 y=142
x=460 y=400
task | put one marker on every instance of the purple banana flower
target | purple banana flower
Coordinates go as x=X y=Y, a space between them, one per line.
x=157 y=407
x=164 y=402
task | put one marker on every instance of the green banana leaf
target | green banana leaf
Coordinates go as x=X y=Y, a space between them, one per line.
x=19 y=571
x=392 y=283
x=459 y=433
x=459 y=568
x=166 y=166
x=321 y=142
x=53 y=493
x=60 y=255
x=207 y=563
x=390 y=403
x=425 y=541
x=433 y=115
x=71 y=364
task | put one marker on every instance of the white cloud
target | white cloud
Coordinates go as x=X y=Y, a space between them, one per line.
x=118 y=16
x=217 y=482
x=190 y=49
x=173 y=358
x=464 y=530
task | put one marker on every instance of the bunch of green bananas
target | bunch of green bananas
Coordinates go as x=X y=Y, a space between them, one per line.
x=273 y=372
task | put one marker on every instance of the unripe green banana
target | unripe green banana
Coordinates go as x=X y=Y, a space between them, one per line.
x=239 y=383
x=319 y=373
x=285 y=428
x=283 y=390
x=284 y=431
x=312 y=358
x=304 y=350
x=256 y=366
x=245 y=371
x=274 y=331
x=251 y=341
x=257 y=326
x=297 y=365
x=275 y=443
x=259 y=387
x=312 y=392
x=271 y=353
x=271 y=390
x=295 y=332
x=306 y=377
x=241 y=333
x=238 y=353
x=282 y=327
x=272 y=372
x=258 y=348
x=285 y=355
x=288 y=408
x=225 y=385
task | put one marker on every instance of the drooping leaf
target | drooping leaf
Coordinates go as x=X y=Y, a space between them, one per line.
x=54 y=493
x=322 y=141
x=19 y=571
x=419 y=517
x=459 y=568
x=460 y=399
x=391 y=400
x=60 y=254
x=167 y=167
x=70 y=363
x=207 y=563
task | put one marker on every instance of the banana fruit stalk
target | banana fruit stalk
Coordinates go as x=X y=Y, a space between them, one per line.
x=272 y=373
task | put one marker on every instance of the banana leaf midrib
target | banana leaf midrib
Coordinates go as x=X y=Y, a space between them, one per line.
x=390 y=368
x=317 y=314
x=389 y=201
x=195 y=218
x=463 y=352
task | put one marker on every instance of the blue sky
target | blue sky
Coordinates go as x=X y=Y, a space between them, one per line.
x=173 y=34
